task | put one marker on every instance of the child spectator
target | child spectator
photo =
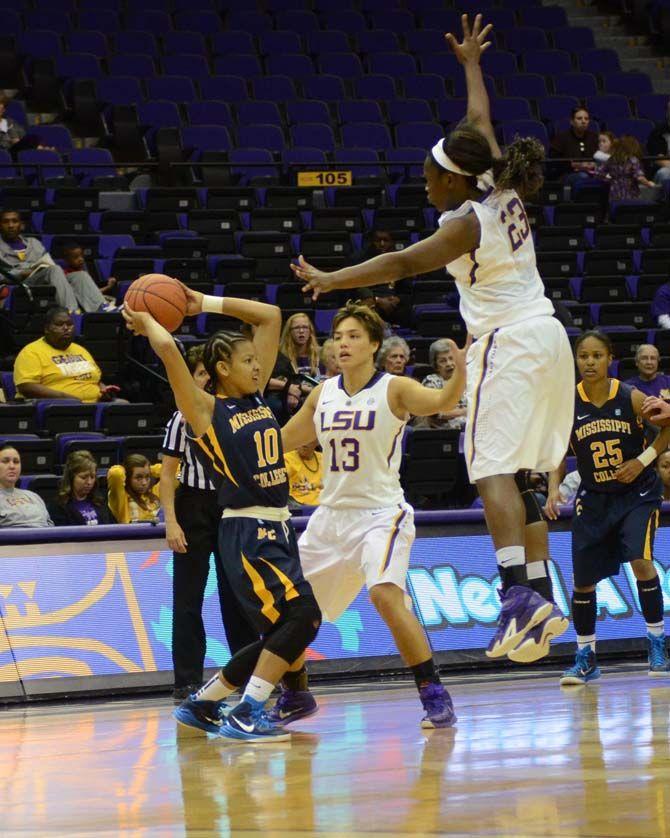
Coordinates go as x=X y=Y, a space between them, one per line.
x=11 y=132
x=77 y=274
x=624 y=171
x=132 y=491
x=605 y=140
x=79 y=503
x=305 y=474
x=18 y=507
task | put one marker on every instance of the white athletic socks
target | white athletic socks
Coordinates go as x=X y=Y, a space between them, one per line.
x=511 y=556
x=657 y=629
x=537 y=570
x=258 y=690
x=584 y=640
x=213 y=690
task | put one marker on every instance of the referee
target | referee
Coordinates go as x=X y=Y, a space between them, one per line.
x=192 y=516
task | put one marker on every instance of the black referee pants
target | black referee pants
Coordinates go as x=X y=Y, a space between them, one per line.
x=198 y=514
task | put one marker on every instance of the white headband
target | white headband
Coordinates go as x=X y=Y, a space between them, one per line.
x=446 y=162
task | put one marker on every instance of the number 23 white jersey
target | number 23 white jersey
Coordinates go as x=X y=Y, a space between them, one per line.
x=498 y=282
x=361 y=440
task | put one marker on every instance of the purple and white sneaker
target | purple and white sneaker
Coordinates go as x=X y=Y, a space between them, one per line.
x=291 y=706
x=522 y=609
x=438 y=706
x=535 y=644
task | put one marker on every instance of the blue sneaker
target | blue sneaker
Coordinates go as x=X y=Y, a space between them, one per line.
x=438 y=706
x=659 y=665
x=203 y=715
x=291 y=706
x=535 y=644
x=585 y=669
x=522 y=609
x=251 y=724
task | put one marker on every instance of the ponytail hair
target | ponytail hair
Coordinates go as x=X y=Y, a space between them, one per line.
x=520 y=167
x=219 y=347
x=469 y=149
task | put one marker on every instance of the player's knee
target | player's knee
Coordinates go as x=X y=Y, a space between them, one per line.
x=643 y=569
x=297 y=629
x=386 y=598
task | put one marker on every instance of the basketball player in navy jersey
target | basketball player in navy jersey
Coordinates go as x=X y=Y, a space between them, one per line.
x=238 y=437
x=617 y=506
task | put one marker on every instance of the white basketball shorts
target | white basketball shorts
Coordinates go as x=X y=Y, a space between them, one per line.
x=521 y=392
x=343 y=549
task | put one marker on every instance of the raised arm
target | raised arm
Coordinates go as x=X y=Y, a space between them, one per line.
x=454 y=239
x=469 y=52
x=408 y=396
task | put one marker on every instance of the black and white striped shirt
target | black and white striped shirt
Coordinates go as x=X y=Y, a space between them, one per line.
x=177 y=444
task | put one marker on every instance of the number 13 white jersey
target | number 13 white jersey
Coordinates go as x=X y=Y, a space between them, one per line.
x=361 y=440
x=498 y=282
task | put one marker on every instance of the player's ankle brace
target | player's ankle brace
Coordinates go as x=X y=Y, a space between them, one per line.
x=539 y=579
x=296 y=681
x=584 y=613
x=297 y=629
x=425 y=673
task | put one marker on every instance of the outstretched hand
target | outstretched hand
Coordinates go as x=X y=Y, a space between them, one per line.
x=193 y=301
x=474 y=42
x=656 y=411
x=316 y=281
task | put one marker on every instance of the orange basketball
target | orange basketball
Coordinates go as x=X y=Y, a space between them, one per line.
x=161 y=296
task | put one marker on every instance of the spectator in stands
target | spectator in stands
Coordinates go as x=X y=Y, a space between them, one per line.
x=54 y=367
x=578 y=145
x=660 y=306
x=658 y=145
x=10 y=130
x=568 y=488
x=663 y=468
x=394 y=355
x=18 y=507
x=298 y=343
x=78 y=276
x=380 y=241
x=605 y=140
x=26 y=261
x=132 y=491
x=649 y=380
x=305 y=474
x=441 y=360
x=79 y=503
x=297 y=359
x=623 y=170
x=330 y=366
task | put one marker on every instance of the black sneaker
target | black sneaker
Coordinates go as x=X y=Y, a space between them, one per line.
x=179 y=694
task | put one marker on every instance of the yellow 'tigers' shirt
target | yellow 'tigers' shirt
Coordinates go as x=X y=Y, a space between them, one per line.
x=72 y=370
x=305 y=480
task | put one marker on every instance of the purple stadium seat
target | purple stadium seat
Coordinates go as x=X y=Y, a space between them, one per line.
x=54 y=20
x=16 y=109
x=119 y=90
x=7 y=169
x=442 y=64
x=250 y=21
x=378 y=5
x=306 y=110
x=652 y=106
x=206 y=137
x=326 y=40
x=398 y=20
x=209 y=113
x=313 y=134
x=198 y=21
x=297 y=20
x=505 y=108
x=599 y=61
x=581 y=85
x=523 y=38
x=252 y=155
x=11 y=22
x=408 y=110
x=638 y=128
x=547 y=62
x=224 y=88
x=171 y=88
x=238 y=64
x=194 y=5
x=40 y=44
x=526 y=85
x=223 y=43
x=293 y=65
x=448 y=20
x=325 y=88
x=94 y=43
x=376 y=40
x=404 y=154
x=279 y=42
x=552 y=108
x=360 y=155
x=451 y=110
x=628 y=84
x=359 y=110
x=346 y=20
x=57 y=136
x=137 y=65
x=82 y=158
x=256 y=112
x=418 y=134
x=424 y=86
x=392 y=63
x=502 y=19
x=150 y=19
x=159 y=114
x=424 y=41
x=184 y=43
x=604 y=108
x=135 y=42
x=524 y=128
x=303 y=154
x=115 y=5
x=273 y=88
x=499 y=63
x=42 y=156
x=193 y=66
x=276 y=6
x=102 y=20
x=573 y=38
x=545 y=17
x=261 y=136
x=366 y=135
x=78 y=66
x=345 y=64
x=375 y=87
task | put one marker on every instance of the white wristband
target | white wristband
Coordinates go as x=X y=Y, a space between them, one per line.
x=648 y=456
x=212 y=304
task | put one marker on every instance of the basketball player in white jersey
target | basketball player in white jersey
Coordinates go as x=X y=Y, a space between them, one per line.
x=520 y=380
x=363 y=530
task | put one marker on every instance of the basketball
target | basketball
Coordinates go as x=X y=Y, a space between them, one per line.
x=161 y=296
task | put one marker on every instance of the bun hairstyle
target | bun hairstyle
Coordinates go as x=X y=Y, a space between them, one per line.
x=219 y=347
x=520 y=167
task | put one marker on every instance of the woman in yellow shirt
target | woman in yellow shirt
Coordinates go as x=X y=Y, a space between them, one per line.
x=305 y=474
x=132 y=490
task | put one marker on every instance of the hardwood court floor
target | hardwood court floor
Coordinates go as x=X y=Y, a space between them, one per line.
x=525 y=760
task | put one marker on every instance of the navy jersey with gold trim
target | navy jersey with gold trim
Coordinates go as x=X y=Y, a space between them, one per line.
x=243 y=453
x=605 y=437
